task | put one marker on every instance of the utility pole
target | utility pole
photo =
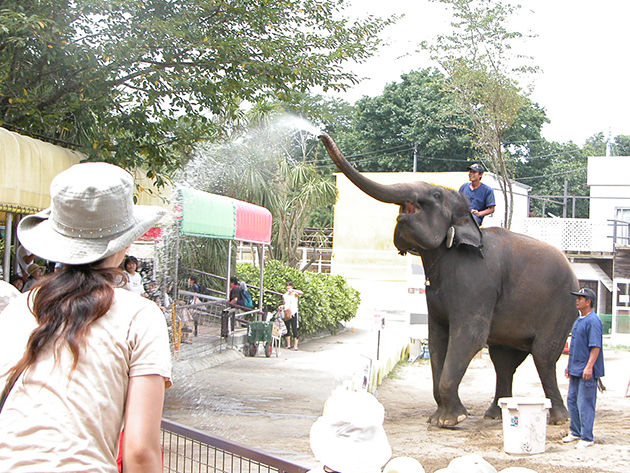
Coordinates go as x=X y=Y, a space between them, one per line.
x=415 y=157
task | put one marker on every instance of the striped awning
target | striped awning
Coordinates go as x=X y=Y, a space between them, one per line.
x=216 y=216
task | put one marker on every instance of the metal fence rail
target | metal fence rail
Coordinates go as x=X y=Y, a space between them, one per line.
x=187 y=450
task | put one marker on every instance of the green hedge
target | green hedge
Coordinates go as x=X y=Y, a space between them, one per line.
x=327 y=299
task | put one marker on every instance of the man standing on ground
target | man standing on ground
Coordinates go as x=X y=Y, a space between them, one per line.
x=586 y=366
x=480 y=195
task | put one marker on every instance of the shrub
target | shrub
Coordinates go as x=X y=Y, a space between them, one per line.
x=327 y=299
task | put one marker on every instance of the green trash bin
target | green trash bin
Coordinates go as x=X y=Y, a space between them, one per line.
x=260 y=332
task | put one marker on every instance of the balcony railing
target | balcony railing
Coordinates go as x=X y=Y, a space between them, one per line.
x=577 y=234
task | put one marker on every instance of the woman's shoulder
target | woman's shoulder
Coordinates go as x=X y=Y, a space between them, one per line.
x=133 y=301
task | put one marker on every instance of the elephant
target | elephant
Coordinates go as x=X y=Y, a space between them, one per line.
x=484 y=286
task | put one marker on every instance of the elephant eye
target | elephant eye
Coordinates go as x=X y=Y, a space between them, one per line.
x=437 y=196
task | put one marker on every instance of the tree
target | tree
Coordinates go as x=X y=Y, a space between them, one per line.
x=481 y=76
x=595 y=145
x=622 y=145
x=409 y=119
x=546 y=167
x=139 y=83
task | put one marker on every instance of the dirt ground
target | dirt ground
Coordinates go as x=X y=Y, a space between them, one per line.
x=271 y=403
x=408 y=399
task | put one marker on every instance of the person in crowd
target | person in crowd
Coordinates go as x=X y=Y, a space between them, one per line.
x=35 y=274
x=17 y=281
x=349 y=436
x=235 y=291
x=292 y=321
x=132 y=276
x=24 y=258
x=84 y=357
x=481 y=196
x=193 y=286
x=586 y=366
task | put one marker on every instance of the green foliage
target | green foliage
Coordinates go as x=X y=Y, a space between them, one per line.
x=203 y=254
x=407 y=114
x=139 y=83
x=545 y=167
x=327 y=299
x=622 y=145
x=269 y=166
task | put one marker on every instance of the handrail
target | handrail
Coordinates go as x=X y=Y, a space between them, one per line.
x=191 y=449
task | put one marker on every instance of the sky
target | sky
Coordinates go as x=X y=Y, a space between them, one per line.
x=581 y=48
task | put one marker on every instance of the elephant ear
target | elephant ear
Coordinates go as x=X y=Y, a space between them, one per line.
x=465 y=231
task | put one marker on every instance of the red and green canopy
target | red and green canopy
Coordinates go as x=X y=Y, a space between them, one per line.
x=216 y=216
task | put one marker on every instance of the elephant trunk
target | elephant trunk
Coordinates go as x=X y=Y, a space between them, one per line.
x=391 y=194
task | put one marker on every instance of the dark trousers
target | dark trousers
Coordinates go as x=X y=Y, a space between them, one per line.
x=292 y=326
x=581 y=400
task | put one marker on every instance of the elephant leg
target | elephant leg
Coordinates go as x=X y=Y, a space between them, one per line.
x=438 y=344
x=505 y=361
x=545 y=358
x=461 y=350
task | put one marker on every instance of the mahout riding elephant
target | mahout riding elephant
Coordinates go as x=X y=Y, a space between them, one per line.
x=483 y=287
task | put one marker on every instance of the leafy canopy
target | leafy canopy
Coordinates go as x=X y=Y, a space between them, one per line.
x=139 y=82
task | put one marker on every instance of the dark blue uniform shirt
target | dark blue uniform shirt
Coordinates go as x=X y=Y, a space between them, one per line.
x=480 y=198
x=586 y=334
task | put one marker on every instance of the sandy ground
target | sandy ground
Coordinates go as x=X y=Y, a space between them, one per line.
x=271 y=403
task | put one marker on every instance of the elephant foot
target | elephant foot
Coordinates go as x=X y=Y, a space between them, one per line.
x=558 y=415
x=448 y=418
x=493 y=412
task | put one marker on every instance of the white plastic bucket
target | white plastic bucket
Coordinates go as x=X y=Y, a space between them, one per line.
x=524 y=424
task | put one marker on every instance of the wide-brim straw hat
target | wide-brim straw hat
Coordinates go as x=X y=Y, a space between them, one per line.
x=33 y=267
x=468 y=464
x=349 y=437
x=403 y=465
x=92 y=216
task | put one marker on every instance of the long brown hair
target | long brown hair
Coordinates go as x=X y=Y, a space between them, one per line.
x=65 y=304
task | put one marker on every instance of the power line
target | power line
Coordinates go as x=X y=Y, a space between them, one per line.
x=549 y=175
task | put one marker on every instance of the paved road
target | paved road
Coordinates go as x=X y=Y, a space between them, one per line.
x=271 y=403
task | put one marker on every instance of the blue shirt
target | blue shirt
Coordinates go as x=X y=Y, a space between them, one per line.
x=480 y=198
x=586 y=334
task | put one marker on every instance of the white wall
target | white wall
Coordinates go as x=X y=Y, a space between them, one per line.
x=609 y=182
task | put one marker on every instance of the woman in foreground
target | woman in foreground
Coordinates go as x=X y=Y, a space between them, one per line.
x=79 y=357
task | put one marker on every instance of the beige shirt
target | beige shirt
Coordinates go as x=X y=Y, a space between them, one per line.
x=50 y=423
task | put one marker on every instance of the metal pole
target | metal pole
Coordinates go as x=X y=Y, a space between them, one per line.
x=7 y=246
x=415 y=157
x=175 y=277
x=229 y=271
x=261 y=258
x=566 y=199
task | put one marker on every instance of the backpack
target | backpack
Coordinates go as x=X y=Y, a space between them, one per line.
x=246 y=298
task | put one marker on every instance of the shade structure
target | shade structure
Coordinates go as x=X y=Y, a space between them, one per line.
x=216 y=216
